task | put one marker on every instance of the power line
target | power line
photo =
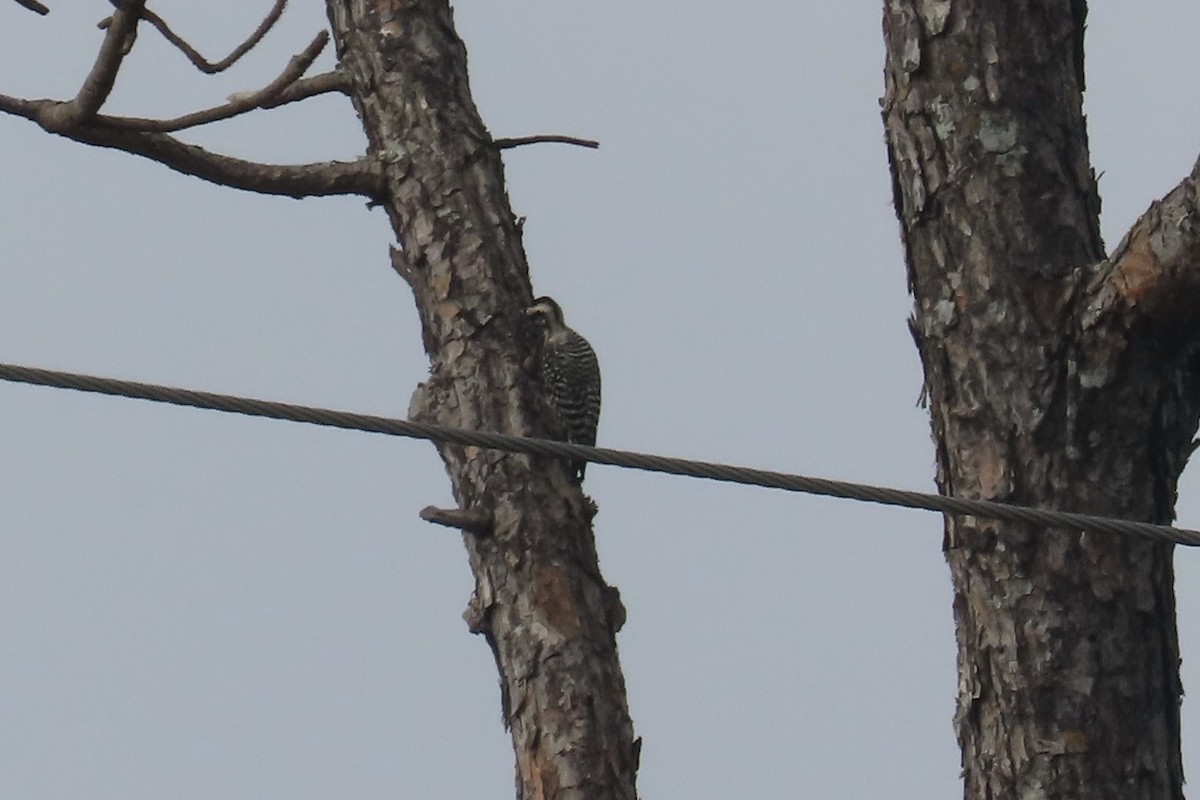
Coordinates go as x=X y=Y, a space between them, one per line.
x=599 y=455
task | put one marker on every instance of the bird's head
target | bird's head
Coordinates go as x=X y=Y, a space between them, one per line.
x=546 y=312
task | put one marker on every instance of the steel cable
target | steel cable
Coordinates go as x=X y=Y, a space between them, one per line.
x=599 y=455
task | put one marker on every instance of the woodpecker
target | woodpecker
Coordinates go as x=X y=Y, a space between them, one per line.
x=570 y=377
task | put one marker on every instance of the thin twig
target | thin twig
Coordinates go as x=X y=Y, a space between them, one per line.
x=239 y=104
x=193 y=55
x=363 y=177
x=100 y=79
x=333 y=81
x=206 y=66
x=520 y=141
x=34 y=5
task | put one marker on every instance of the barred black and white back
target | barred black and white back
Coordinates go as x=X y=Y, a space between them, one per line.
x=570 y=375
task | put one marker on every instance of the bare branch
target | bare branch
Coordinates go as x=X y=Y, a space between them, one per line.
x=239 y=104
x=333 y=81
x=200 y=62
x=363 y=177
x=34 y=5
x=475 y=520
x=507 y=144
x=99 y=81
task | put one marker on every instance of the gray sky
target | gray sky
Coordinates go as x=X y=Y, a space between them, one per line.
x=196 y=605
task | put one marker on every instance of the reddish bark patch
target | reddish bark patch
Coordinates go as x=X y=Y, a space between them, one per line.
x=553 y=597
x=1137 y=274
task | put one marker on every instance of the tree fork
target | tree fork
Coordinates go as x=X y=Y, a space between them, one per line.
x=539 y=599
x=1050 y=384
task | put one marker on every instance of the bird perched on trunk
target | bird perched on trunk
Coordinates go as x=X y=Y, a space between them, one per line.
x=570 y=377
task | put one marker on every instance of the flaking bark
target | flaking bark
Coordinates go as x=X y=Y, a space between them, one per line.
x=1055 y=378
x=539 y=599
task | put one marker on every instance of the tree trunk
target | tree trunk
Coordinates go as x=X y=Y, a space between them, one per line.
x=539 y=598
x=1056 y=378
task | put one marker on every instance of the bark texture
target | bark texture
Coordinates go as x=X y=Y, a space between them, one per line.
x=1056 y=378
x=540 y=600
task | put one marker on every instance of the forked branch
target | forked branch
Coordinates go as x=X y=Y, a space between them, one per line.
x=238 y=104
x=193 y=55
x=79 y=120
x=363 y=177
x=99 y=81
x=333 y=81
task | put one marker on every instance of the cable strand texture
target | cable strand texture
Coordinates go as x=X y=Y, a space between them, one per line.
x=600 y=455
